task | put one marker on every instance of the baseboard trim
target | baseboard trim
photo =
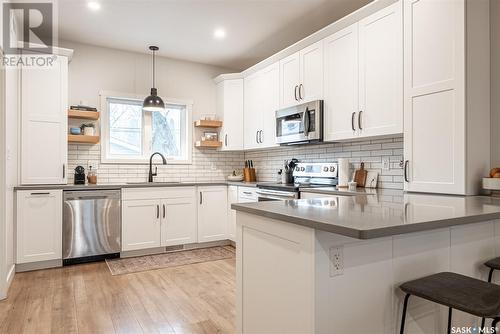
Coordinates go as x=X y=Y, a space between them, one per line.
x=169 y=249
x=10 y=276
x=22 y=267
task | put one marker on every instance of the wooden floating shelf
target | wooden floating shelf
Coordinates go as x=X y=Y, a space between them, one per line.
x=208 y=144
x=82 y=139
x=205 y=123
x=91 y=115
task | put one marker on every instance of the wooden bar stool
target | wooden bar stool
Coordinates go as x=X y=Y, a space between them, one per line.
x=458 y=292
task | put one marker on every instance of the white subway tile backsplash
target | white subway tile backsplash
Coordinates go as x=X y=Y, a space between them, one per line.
x=215 y=166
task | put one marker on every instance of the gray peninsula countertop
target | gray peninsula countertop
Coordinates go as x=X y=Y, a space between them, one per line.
x=375 y=216
x=106 y=186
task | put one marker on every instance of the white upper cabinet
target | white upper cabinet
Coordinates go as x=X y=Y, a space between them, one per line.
x=341 y=84
x=301 y=76
x=230 y=111
x=44 y=96
x=381 y=69
x=261 y=101
x=446 y=95
x=289 y=80
x=364 y=77
x=311 y=73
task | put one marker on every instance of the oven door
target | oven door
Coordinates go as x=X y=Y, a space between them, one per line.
x=264 y=195
x=302 y=123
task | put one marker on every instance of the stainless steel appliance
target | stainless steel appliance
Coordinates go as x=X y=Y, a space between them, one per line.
x=91 y=225
x=305 y=175
x=300 y=124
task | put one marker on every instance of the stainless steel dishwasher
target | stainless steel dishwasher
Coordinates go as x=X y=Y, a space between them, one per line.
x=91 y=225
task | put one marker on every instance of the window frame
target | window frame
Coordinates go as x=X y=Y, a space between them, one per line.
x=106 y=158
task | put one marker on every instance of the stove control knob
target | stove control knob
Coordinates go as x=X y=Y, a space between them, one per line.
x=302 y=169
x=297 y=169
x=332 y=169
x=325 y=169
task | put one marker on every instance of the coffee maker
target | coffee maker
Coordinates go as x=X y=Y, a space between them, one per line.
x=79 y=175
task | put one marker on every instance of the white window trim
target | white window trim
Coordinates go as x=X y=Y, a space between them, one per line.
x=104 y=95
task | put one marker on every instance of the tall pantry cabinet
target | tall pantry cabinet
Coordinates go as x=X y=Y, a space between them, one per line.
x=43 y=122
x=446 y=95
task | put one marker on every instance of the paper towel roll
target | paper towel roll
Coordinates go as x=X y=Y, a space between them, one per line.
x=343 y=173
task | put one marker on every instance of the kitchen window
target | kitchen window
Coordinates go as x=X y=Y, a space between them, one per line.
x=131 y=135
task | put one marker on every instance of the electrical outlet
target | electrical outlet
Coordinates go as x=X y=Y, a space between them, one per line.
x=386 y=164
x=336 y=261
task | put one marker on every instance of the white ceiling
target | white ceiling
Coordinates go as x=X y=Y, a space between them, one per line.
x=184 y=29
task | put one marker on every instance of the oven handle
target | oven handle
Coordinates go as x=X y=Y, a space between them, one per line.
x=306 y=122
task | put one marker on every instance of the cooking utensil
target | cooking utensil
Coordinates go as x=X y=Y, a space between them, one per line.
x=360 y=175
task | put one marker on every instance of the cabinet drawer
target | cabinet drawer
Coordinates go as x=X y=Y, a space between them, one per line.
x=248 y=193
x=157 y=193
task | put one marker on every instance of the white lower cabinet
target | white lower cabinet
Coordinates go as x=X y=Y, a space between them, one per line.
x=39 y=226
x=212 y=213
x=178 y=225
x=232 y=197
x=141 y=224
x=158 y=217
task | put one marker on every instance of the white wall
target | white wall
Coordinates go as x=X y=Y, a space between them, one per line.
x=495 y=81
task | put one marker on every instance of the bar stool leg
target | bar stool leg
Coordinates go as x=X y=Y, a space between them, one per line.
x=494 y=325
x=449 y=320
x=490 y=276
x=403 y=317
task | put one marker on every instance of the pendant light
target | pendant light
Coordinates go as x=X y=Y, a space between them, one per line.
x=153 y=102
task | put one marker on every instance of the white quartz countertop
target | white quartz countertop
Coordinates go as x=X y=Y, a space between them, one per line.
x=380 y=215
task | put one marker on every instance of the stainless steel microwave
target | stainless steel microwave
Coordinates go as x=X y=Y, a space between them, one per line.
x=300 y=124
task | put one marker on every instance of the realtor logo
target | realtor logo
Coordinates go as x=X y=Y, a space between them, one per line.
x=34 y=23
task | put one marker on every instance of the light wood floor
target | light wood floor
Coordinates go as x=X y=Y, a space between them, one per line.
x=198 y=298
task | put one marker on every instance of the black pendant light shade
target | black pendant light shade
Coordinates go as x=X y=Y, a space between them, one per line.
x=153 y=102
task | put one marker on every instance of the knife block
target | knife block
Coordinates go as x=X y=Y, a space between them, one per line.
x=249 y=175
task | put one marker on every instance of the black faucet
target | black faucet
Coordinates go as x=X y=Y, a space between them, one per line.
x=151 y=174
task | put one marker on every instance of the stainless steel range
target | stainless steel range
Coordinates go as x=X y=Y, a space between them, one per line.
x=305 y=175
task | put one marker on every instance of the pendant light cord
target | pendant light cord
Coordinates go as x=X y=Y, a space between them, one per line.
x=154 y=78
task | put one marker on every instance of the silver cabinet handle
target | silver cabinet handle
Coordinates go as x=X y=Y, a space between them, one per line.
x=257 y=136
x=406 y=170
x=164 y=211
x=201 y=197
x=225 y=139
x=260 y=136
x=39 y=194
x=352 y=121
x=247 y=193
x=157 y=211
x=64 y=171
x=295 y=93
x=359 y=120
x=301 y=88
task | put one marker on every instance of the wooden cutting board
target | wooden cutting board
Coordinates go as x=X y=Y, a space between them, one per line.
x=360 y=175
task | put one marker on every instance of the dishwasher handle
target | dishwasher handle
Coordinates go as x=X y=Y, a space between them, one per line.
x=92 y=194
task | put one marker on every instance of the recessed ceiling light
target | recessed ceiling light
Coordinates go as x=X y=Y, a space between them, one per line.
x=94 y=5
x=219 y=33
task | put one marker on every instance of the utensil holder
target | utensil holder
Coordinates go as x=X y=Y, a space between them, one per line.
x=249 y=174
